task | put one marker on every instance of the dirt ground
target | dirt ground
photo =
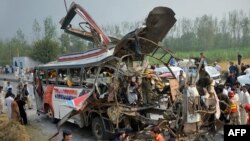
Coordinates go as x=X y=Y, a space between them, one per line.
x=225 y=64
x=12 y=131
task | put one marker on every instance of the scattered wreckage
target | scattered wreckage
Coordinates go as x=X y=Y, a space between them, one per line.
x=119 y=90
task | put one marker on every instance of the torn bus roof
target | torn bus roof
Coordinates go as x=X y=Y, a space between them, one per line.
x=95 y=29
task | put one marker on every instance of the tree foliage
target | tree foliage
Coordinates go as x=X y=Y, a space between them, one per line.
x=45 y=49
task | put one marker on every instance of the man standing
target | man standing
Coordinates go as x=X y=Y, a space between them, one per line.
x=15 y=113
x=244 y=100
x=217 y=66
x=25 y=94
x=8 y=102
x=239 y=58
x=4 y=89
x=1 y=100
x=21 y=103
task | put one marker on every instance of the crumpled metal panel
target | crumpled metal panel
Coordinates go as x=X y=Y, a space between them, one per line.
x=144 y=40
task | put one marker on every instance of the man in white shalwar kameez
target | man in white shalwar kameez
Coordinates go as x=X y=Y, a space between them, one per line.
x=8 y=102
x=244 y=99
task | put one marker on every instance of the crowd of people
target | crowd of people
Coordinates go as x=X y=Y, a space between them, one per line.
x=235 y=94
x=16 y=102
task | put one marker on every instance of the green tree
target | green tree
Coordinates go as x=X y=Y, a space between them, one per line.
x=36 y=30
x=46 y=49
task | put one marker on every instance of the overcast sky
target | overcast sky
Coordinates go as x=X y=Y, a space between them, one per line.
x=15 y=14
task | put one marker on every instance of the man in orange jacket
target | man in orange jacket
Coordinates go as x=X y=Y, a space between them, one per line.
x=156 y=134
x=247 y=108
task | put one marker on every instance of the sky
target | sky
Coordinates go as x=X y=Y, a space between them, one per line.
x=20 y=14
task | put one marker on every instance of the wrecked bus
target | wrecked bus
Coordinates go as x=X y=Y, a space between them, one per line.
x=112 y=86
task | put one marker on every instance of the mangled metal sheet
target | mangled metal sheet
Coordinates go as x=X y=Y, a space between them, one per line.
x=144 y=40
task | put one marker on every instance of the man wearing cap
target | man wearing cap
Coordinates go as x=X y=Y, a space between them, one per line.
x=244 y=100
x=67 y=135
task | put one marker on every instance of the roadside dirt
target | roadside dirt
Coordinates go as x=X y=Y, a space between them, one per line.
x=12 y=131
x=225 y=64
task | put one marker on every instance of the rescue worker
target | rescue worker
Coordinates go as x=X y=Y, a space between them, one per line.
x=156 y=134
x=247 y=108
x=233 y=108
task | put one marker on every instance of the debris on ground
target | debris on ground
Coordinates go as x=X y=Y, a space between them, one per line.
x=12 y=130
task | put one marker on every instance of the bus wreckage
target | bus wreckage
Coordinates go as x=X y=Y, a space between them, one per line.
x=112 y=87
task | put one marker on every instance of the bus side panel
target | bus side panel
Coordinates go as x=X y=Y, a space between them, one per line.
x=59 y=98
x=48 y=96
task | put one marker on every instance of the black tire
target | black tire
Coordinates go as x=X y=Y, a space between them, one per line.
x=50 y=115
x=98 y=129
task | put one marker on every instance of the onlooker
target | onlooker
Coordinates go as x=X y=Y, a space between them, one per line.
x=231 y=79
x=120 y=135
x=1 y=100
x=67 y=135
x=21 y=103
x=203 y=59
x=242 y=69
x=173 y=62
x=8 y=87
x=156 y=134
x=8 y=100
x=25 y=94
x=224 y=105
x=232 y=68
x=244 y=100
x=19 y=87
x=239 y=58
x=182 y=81
x=217 y=66
x=4 y=86
x=15 y=113
x=126 y=138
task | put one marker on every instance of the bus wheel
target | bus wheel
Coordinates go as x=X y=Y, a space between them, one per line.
x=98 y=129
x=50 y=115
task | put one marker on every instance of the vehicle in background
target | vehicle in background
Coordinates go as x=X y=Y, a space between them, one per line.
x=213 y=73
x=247 y=71
x=244 y=79
x=190 y=67
x=164 y=72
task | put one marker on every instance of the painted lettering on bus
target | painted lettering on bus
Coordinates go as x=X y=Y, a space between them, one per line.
x=64 y=97
x=65 y=91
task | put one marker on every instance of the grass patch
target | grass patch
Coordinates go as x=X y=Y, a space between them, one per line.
x=218 y=55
